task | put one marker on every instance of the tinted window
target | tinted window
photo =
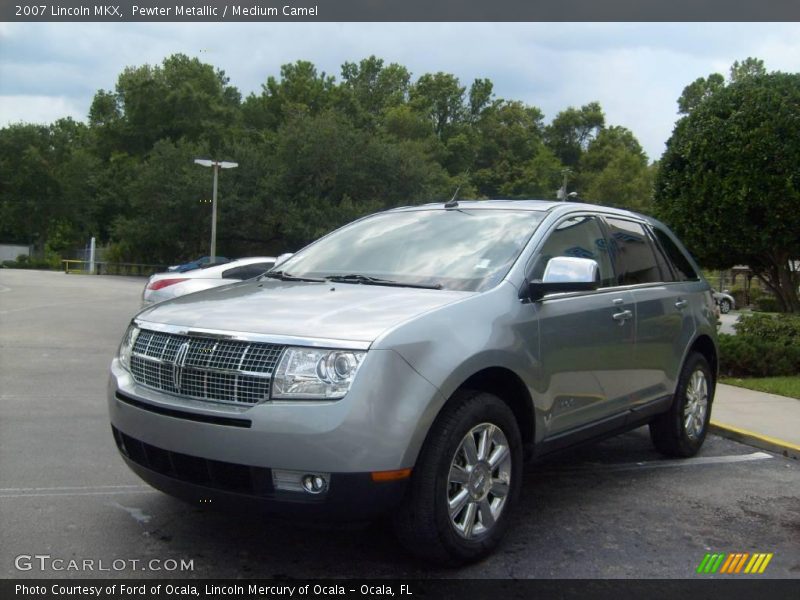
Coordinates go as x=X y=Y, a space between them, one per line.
x=578 y=237
x=633 y=253
x=683 y=267
x=247 y=271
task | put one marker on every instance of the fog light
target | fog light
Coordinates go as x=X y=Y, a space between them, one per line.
x=300 y=481
x=314 y=484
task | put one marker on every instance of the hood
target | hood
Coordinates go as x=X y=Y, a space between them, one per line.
x=303 y=309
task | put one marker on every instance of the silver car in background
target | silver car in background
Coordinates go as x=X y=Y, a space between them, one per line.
x=165 y=286
x=724 y=300
x=404 y=364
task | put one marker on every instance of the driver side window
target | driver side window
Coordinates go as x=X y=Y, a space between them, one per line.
x=578 y=237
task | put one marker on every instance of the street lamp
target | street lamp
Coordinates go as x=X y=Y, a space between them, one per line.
x=217 y=165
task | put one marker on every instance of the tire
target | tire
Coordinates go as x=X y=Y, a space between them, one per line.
x=476 y=478
x=680 y=432
x=724 y=306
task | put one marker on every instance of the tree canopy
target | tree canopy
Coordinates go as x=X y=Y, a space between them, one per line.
x=314 y=152
x=729 y=182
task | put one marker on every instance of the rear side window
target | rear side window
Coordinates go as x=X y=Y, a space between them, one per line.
x=634 y=256
x=247 y=271
x=578 y=237
x=683 y=268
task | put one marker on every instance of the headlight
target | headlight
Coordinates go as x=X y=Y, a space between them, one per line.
x=315 y=374
x=126 y=347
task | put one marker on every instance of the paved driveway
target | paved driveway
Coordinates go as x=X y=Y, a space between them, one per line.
x=728 y=321
x=616 y=509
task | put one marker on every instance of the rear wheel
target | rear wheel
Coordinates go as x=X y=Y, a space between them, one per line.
x=465 y=482
x=682 y=430
x=725 y=306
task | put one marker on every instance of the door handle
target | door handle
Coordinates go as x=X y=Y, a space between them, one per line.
x=618 y=301
x=681 y=304
x=623 y=316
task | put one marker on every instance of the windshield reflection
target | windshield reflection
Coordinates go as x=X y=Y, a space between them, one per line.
x=456 y=249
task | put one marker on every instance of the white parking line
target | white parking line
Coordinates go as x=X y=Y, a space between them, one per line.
x=34 y=495
x=90 y=490
x=668 y=463
x=73 y=487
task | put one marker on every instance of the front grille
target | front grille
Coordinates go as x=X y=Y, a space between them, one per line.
x=204 y=368
x=232 y=477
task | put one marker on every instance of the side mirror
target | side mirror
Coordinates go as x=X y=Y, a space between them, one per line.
x=566 y=274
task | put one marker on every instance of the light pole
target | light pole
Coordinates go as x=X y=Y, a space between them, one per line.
x=562 y=193
x=217 y=165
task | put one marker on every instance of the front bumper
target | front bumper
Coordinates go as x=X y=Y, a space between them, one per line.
x=215 y=484
x=202 y=451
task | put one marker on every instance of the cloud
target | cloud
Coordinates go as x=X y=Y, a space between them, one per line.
x=38 y=109
x=636 y=71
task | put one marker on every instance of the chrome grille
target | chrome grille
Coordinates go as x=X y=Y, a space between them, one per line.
x=204 y=368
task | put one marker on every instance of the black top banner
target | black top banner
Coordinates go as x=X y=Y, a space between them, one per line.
x=399 y=10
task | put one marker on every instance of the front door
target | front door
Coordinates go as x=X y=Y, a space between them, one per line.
x=586 y=338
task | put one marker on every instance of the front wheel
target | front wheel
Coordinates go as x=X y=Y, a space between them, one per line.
x=682 y=430
x=725 y=306
x=465 y=483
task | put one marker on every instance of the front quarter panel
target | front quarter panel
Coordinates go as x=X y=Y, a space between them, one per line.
x=449 y=345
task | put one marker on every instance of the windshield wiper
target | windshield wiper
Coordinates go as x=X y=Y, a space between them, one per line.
x=367 y=280
x=284 y=276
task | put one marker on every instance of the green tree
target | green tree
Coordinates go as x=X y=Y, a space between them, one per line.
x=729 y=181
x=749 y=67
x=571 y=131
x=181 y=98
x=369 y=89
x=614 y=171
x=300 y=89
x=326 y=172
x=511 y=159
x=697 y=91
x=440 y=97
x=167 y=218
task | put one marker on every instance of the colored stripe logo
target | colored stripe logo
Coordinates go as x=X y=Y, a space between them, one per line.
x=734 y=563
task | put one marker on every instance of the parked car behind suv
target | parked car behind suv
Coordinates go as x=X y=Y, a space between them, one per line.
x=405 y=363
x=165 y=286
x=724 y=300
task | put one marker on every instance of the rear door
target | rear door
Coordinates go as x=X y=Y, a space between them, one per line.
x=664 y=322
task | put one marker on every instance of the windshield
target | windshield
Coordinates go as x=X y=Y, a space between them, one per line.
x=457 y=249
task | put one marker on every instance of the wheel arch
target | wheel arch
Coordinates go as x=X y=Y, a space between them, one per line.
x=509 y=387
x=705 y=346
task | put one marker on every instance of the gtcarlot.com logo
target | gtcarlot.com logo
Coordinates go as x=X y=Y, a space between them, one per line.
x=734 y=563
x=46 y=562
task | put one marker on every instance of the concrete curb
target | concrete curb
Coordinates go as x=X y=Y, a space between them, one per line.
x=754 y=439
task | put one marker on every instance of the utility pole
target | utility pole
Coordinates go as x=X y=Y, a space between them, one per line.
x=562 y=193
x=216 y=165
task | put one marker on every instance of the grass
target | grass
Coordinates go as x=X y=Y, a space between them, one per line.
x=783 y=386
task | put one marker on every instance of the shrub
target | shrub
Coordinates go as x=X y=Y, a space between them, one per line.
x=746 y=356
x=781 y=328
x=767 y=304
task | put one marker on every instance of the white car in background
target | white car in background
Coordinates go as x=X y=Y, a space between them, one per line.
x=165 y=286
x=724 y=300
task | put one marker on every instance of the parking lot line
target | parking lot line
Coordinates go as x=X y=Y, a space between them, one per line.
x=89 y=490
x=72 y=487
x=669 y=463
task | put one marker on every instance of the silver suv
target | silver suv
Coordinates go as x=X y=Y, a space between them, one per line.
x=405 y=363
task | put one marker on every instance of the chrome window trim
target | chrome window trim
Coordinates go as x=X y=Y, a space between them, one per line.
x=240 y=336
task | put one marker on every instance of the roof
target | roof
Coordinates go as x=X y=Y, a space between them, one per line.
x=528 y=204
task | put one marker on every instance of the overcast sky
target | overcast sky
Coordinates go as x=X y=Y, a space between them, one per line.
x=635 y=71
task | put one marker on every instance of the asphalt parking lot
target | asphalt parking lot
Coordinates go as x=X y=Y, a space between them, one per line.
x=616 y=509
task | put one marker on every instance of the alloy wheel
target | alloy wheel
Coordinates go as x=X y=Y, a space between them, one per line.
x=478 y=481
